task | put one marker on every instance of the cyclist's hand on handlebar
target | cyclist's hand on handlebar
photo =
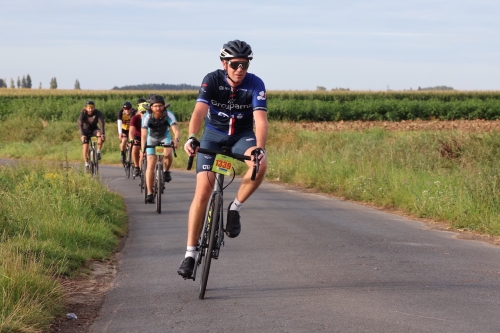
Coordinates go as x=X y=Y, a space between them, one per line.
x=191 y=146
x=261 y=154
x=82 y=138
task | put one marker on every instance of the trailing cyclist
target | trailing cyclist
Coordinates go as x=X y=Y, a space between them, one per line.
x=135 y=135
x=123 y=120
x=91 y=123
x=230 y=101
x=155 y=130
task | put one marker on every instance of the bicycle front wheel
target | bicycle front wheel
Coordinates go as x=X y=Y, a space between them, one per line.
x=93 y=163
x=212 y=224
x=143 y=175
x=128 y=162
x=159 y=188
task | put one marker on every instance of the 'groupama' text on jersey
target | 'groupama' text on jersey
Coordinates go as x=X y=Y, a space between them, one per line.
x=231 y=109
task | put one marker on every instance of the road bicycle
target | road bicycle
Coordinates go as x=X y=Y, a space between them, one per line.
x=159 y=184
x=128 y=165
x=92 y=156
x=212 y=233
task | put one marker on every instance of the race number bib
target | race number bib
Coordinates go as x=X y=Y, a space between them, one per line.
x=159 y=151
x=223 y=164
x=93 y=139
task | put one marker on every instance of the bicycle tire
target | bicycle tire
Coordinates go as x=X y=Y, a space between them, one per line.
x=127 y=170
x=159 y=185
x=96 y=163
x=214 y=225
x=93 y=158
x=126 y=165
x=129 y=162
x=143 y=175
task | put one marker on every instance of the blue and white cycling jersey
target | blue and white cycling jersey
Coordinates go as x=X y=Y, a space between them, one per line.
x=231 y=109
x=158 y=128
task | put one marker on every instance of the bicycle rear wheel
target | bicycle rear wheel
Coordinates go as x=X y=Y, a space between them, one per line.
x=212 y=224
x=159 y=187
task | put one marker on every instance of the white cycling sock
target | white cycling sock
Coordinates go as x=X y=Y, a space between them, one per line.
x=236 y=205
x=190 y=252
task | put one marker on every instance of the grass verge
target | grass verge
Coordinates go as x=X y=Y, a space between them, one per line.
x=53 y=220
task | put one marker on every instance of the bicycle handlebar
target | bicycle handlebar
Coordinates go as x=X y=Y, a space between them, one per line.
x=164 y=145
x=240 y=157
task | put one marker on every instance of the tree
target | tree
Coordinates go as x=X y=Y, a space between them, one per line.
x=18 y=82
x=320 y=88
x=53 y=83
x=23 y=82
x=77 y=85
x=12 y=86
x=28 y=81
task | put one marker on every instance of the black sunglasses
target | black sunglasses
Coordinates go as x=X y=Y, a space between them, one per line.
x=237 y=64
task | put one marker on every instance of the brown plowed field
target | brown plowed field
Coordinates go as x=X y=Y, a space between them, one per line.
x=409 y=125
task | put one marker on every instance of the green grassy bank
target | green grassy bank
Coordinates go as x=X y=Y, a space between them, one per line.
x=53 y=220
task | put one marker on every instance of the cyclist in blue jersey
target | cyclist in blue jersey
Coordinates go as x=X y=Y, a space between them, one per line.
x=232 y=103
x=155 y=130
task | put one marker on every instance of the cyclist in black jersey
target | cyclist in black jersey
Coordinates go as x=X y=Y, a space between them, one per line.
x=91 y=122
x=232 y=102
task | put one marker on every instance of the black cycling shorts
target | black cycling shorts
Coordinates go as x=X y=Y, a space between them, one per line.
x=214 y=140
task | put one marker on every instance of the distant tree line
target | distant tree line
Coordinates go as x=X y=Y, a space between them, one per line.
x=156 y=86
x=436 y=88
x=321 y=88
x=25 y=82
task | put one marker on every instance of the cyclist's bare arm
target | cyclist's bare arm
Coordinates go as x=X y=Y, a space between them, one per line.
x=261 y=128
x=131 y=133
x=101 y=124
x=177 y=134
x=144 y=138
x=197 y=118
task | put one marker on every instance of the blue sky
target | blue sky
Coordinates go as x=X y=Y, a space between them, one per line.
x=298 y=45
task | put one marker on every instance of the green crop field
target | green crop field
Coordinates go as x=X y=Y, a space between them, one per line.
x=282 y=105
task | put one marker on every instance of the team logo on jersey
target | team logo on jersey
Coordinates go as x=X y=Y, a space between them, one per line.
x=224 y=88
x=222 y=114
x=239 y=115
x=262 y=96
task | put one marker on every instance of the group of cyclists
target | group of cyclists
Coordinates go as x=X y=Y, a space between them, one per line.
x=150 y=123
x=231 y=104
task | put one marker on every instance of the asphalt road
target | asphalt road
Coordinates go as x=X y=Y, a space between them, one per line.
x=302 y=263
